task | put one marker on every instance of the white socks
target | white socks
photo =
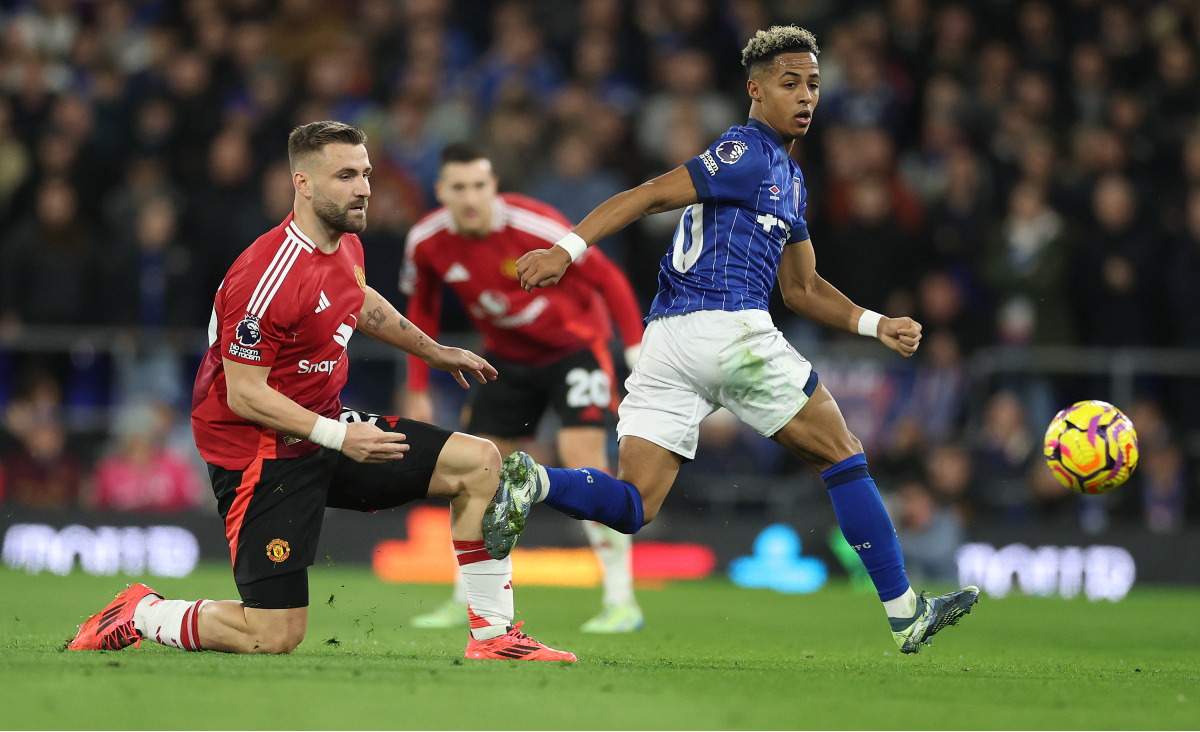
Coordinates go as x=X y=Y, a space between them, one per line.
x=545 y=483
x=904 y=606
x=488 y=586
x=460 y=587
x=169 y=622
x=614 y=550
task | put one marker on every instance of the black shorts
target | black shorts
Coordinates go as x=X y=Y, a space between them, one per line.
x=273 y=509
x=579 y=387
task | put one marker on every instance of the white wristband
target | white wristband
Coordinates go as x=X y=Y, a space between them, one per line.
x=328 y=433
x=574 y=244
x=632 y=355
x=868 y=324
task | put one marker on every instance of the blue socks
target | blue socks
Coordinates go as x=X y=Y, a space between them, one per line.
x=866 y=525
x=594 y=495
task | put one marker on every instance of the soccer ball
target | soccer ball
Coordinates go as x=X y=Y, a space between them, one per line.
x=1091 y=447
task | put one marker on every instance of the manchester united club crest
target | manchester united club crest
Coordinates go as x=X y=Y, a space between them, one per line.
x=278 y=550
x=360 y=277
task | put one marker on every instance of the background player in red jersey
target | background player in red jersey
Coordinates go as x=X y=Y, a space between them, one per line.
x=550 y=347
x=267 y=418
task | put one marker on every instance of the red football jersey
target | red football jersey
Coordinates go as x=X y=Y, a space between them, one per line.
x=287 y=305
x=533 y=328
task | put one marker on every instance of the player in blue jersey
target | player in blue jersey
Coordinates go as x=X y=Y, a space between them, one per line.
x=710 y=341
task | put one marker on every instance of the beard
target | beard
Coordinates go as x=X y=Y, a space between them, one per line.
x=338 y=217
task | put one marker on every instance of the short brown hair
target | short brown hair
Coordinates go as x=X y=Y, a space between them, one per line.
x=312 y=137
x=461 y=152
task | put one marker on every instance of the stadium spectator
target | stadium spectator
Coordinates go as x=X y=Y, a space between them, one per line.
x=688 y=93
x=49 y=273
x=938 y=386
x=929 y=533
x=1116 y=266
x=43 y=474
x=517 y=64
x=1161 y=472
x=1054 y=504
x=954 y=34
x=1164 y=487
x=514 y=139
x=948 y=475
x=1002 y=460
x=228 y=185
x=941 y=305
x=151 y=280
x=900 y=460
x=575 y=185
x=1026 y=269
x=868 y=153
x=145 y=177
x=1184 y=274
x=141 y=474
x=871 y=256
x=960 y=218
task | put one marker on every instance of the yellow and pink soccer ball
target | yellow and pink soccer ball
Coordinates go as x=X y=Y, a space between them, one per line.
x=1091 y=447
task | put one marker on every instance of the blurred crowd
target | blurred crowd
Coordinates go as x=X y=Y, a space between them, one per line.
x=1016 y=172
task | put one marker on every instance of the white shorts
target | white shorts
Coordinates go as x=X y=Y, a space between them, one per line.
x=691 y=364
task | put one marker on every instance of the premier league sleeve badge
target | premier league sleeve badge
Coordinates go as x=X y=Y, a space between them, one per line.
x=248 y=333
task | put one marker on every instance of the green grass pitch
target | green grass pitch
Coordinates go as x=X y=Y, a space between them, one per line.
x=711 y=656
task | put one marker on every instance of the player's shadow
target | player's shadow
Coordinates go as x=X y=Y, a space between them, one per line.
x=777 y=564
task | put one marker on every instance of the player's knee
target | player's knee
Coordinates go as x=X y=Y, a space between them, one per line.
x=486 y=475
x=279 y=642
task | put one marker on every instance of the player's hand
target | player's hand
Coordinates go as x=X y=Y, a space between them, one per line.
x=902 y=335
x=418 y=406
x=457 y=360
x=542 y=267
x=366 y=443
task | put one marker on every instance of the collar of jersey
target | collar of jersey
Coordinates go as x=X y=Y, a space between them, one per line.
x=766 y=130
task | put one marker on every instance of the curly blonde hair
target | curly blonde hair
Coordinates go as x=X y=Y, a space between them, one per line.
x=767 y=44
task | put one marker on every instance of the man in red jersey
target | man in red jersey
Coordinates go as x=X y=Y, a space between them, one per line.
x=550 y=347
x=267 y=418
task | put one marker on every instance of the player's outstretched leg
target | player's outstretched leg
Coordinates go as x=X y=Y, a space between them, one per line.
x=621 y=613
x=467 y=472
x=818 y=435
x=584 y=493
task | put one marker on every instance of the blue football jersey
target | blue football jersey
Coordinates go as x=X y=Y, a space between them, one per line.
x=727 y=247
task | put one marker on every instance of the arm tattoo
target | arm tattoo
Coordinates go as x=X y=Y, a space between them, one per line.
x=404 y=324
x=376 y=319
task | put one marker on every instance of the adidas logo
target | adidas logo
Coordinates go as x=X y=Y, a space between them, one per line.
x=322 y=303
x=456 y=273
x=516 y=652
